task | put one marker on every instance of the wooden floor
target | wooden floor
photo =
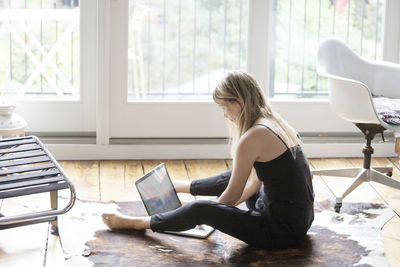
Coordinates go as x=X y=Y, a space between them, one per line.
x=114 y=180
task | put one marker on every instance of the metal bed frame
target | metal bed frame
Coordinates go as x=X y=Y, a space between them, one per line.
x=27 y=167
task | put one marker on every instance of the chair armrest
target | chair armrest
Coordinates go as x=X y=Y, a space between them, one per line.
x=351 y=100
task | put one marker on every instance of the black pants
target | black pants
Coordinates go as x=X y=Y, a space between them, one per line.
x=251 y=226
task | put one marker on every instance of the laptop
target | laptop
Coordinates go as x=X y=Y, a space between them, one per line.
x=158 y=195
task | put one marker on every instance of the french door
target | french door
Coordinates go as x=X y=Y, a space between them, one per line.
x=150 y=67
x=167 y=56
x=47 y=62
x=165 y=59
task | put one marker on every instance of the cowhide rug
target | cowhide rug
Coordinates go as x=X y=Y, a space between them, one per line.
x=350 y=238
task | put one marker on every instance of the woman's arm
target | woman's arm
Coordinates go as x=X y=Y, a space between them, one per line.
x=253 y=185
x=246 y=153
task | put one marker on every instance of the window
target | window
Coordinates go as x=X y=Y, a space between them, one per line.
x=45 y=47
x=300 y=25
x=39 y=49
x=179 y=50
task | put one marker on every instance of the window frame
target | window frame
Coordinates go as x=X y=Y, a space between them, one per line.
x=98 y=79
x=310 y=115
x=69 y=117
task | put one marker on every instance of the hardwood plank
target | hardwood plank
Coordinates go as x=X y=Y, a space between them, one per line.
x=393 y=195
x=395 y=160
x=115 y=185
x=150 y=164
x=121 y=173
x=84 y=175
x=134 y=170
x=390 y=195
x=363 y=193
x=321 y=190
x=377 y=162
x=330 y=183
x=391 y=230
x=176 y=168
x=391 y=241
x=229 y=163
x=397 y=146
x=198 y=169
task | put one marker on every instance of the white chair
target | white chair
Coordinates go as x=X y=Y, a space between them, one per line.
x=351 y=82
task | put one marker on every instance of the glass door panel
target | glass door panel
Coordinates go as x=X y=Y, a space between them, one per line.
x=176 y=52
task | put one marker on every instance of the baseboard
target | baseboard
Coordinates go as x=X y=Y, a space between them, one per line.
x=347 y=150
x=147 y=151
x=316 y=145
x=200 y=151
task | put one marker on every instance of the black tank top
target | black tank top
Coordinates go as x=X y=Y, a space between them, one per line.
x=286 y=178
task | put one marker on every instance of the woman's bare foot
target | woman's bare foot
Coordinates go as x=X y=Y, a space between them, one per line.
x=119 y=221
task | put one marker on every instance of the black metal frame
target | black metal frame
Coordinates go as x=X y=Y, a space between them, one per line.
x=27 y=167
x=369 y=130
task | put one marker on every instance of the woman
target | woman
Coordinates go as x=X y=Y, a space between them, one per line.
x=270 y=173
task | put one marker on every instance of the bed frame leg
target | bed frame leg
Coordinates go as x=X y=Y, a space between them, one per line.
x=54 y=206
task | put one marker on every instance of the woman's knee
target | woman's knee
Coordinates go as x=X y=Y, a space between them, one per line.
x=204 y=209
x=199 y=205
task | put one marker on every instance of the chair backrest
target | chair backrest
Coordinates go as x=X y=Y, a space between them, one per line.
x=348 y=81
x=336 y=58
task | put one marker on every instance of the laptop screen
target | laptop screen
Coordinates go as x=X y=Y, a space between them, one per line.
x=157 y=191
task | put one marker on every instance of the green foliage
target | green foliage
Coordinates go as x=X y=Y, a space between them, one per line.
x=17 y=65
x=201 y=37
x=188 y=44
x=301 y=24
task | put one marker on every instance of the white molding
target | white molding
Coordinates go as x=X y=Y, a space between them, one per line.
x=152 y=119
x=108 y=152
x=201 y=151
x=347 y=150
x=258 y=41
x=312 y=116
x=88 y=64
x=124 y=117
x=391 y=31
x=67 y=115
x=103 y=73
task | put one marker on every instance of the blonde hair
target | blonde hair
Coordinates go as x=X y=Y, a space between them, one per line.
x=242 y=87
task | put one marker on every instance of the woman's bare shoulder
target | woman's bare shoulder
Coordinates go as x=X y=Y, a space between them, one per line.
x=263 y=129
x=258 y=134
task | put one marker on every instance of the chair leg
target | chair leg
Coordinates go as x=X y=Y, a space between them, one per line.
x=54 y=205
x=384 y=179
x=342 y=172
x=361 y=177
x=388 y=170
